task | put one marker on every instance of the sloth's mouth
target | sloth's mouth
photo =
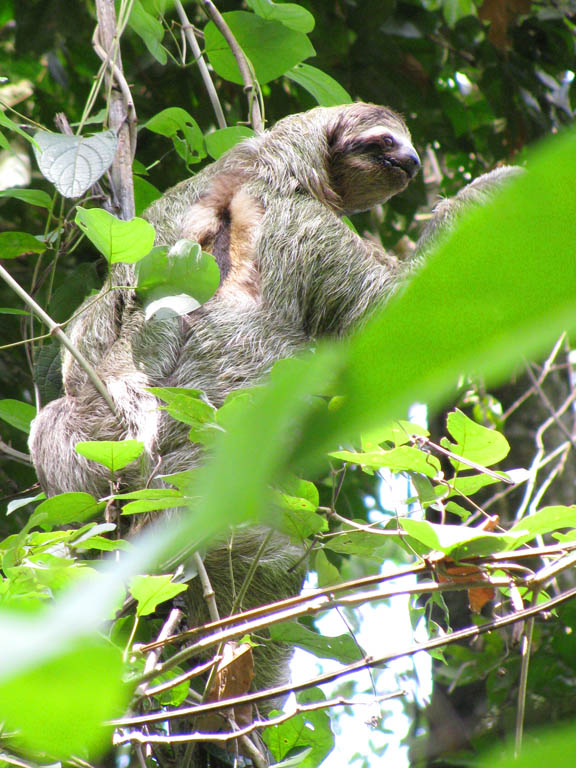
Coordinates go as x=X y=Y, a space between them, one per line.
x=409 y=165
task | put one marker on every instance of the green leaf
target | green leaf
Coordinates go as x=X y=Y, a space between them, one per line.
x=327 y=91
x=176 y=124
x=152 y=505
x=327 y=573
x=290 y=14
x=144 y=194
x=149 y=591
x=31 y=196
x=12 y=126
x=174 y=696
x=14 y=244
x=82 y=680
x=101 y=544
x=17 y=413
x=538 y=748
x=468 y=485
x=74 y=163
x=473 y=441
x=150 y=29
x=457 y=540
x=271 y=47
x=65 y=300
x=405 y=458
x=397 y=432
x=64 y=509
x=299 y=521
x=114 y=454
x=224 y=139
x=150 y=493
x=365 y=544
x=454 y=10
x=117 y=240
x=543 y=521
x=307 y=733
x=342 y=648
x=184 y=269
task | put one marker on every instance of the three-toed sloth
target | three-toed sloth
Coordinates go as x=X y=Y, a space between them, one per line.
x=270 y=211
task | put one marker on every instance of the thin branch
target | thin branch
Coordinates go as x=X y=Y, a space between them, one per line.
x=318 y=605
x=194 y=672
x=545 y=370
x=207 y=589
x=167 y=629
x=55 y=330
x=250 y=83
x=188 y=30
x=145 y=738
x=356 y=584
x=523 y=685
x=14 y=454
x=429 y=645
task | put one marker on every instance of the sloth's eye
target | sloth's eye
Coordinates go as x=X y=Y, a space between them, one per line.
x=388 y=142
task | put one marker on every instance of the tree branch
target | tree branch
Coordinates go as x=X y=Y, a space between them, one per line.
x=188 y=30
x=246 y=73
x=56 y=331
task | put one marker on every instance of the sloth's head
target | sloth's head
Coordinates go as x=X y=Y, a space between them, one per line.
x=371 y=156
x=349 y=157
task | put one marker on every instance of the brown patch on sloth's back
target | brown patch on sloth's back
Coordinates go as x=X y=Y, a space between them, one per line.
x=226 y=221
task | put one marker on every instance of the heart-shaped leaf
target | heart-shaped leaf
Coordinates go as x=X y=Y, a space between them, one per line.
x=74 y=163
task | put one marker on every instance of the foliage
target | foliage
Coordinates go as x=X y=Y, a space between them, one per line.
x=477 y=85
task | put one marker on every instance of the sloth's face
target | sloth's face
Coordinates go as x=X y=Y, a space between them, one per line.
x=372 y=157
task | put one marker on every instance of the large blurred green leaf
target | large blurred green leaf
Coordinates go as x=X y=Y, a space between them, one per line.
x=58 y=700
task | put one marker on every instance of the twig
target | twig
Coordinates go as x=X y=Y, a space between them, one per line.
x=523 y=685
x=207 y=590
x=168 y=627
x=144 y=738
x=188 y=30
x=356 y=584
x=55 y=330
x=246 y=73
x=546 y=368
x=238 y=600
x=318 y=605
x=194 y=672
x=14 y=454
x=537 y=461
x=429 y=645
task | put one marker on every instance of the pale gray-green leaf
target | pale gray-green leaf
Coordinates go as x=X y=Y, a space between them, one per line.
x=74 y=163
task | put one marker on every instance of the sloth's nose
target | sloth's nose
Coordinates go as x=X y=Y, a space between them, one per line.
x=411 y=163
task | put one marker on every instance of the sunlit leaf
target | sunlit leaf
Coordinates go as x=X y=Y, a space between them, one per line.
x=150 y=591
x=114 y=454
x=117 y=240
x=473 y=441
